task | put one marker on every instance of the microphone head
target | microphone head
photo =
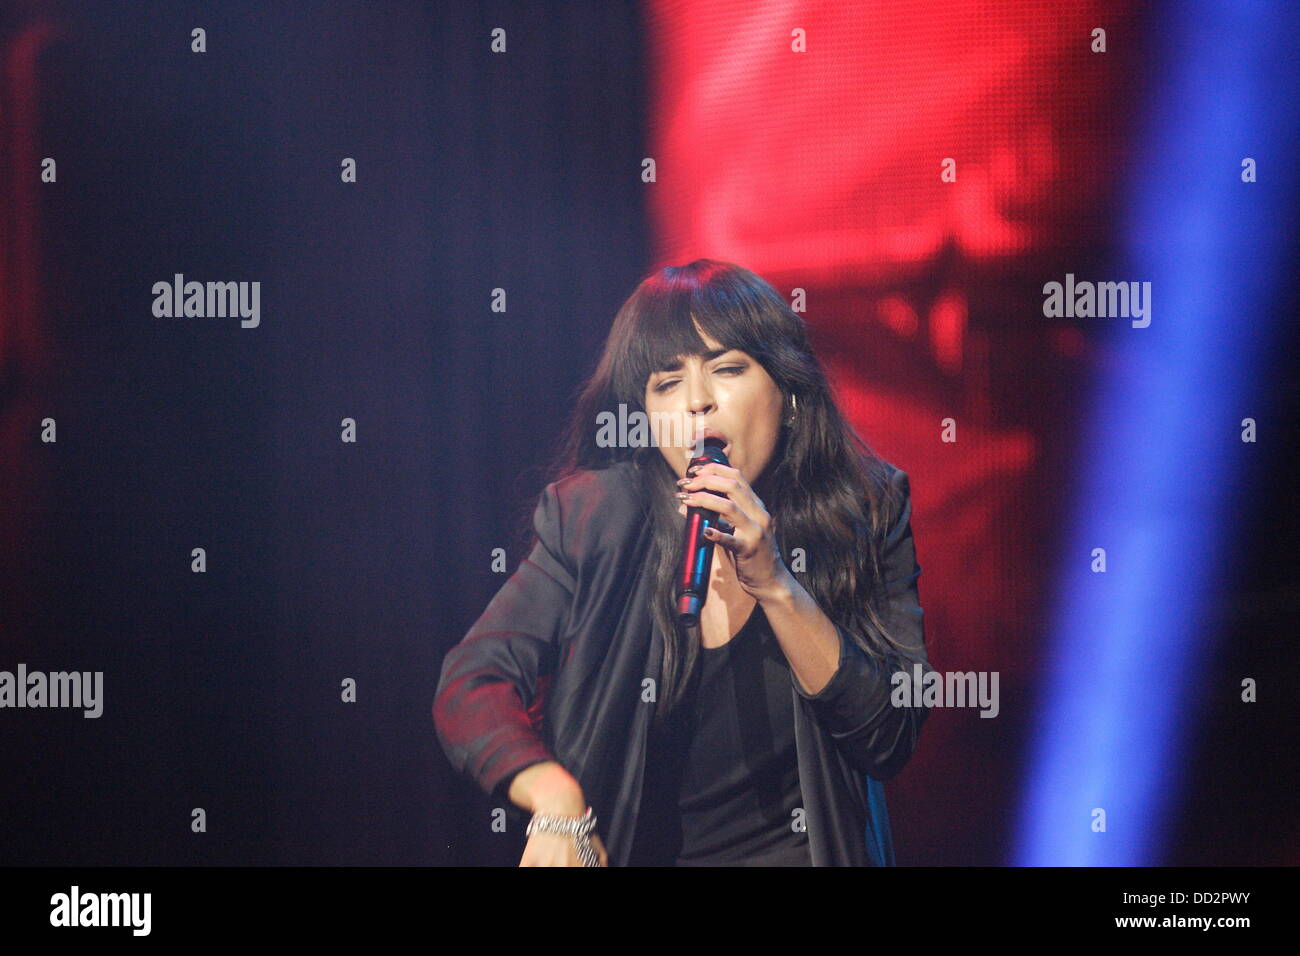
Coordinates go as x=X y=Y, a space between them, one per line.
x=712 y=451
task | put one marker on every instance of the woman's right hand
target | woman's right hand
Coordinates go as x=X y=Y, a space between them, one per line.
x=555 y=849
x=550 y=789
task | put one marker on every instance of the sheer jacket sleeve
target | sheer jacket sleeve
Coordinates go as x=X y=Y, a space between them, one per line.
x=855 y=707
x=490 y=679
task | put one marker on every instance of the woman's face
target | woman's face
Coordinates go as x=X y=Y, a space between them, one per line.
x=726 y=391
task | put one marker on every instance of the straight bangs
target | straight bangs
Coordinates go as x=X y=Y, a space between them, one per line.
x=662 y=331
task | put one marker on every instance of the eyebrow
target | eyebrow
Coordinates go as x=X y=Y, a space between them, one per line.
x=708 y=356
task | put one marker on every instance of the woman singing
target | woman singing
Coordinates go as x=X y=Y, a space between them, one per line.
x=762 y=736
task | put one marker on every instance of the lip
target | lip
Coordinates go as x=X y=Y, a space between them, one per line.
x=714 y=433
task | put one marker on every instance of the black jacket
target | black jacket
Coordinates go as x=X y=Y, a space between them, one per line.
x=577 y=609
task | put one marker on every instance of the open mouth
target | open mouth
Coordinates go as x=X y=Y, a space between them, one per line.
x=714 y=433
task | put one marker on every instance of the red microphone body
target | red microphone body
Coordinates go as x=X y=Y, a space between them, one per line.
x=697 y=549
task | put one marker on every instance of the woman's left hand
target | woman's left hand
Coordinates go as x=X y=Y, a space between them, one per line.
x=750 y=543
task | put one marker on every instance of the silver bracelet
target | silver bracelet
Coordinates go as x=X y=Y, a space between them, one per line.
x=577 y=827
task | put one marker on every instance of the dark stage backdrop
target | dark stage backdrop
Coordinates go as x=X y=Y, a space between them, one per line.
x=329 y=561
x=325 y=560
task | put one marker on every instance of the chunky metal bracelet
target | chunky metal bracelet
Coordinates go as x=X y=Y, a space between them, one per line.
x=577 y=827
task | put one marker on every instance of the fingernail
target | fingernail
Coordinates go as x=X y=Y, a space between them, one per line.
x=682 y=481
x=683 y=495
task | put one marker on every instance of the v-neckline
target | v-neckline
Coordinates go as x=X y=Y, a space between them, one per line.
x=753 y=612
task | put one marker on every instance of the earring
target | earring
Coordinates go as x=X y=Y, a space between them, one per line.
x=794 y=410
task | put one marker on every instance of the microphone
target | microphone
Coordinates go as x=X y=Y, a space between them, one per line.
x=697 y=550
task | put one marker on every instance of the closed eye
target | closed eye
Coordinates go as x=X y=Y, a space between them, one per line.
x=726 y=369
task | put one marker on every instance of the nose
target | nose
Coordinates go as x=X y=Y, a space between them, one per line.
x=701 y=399
x=701 y=406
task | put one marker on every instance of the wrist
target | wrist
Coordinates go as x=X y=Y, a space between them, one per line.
x=781 y=592
x=548 y=788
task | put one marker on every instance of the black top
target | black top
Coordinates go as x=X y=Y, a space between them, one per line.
x=722 y=778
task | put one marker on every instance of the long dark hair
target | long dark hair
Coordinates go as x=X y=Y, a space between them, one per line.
x=826 y=490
